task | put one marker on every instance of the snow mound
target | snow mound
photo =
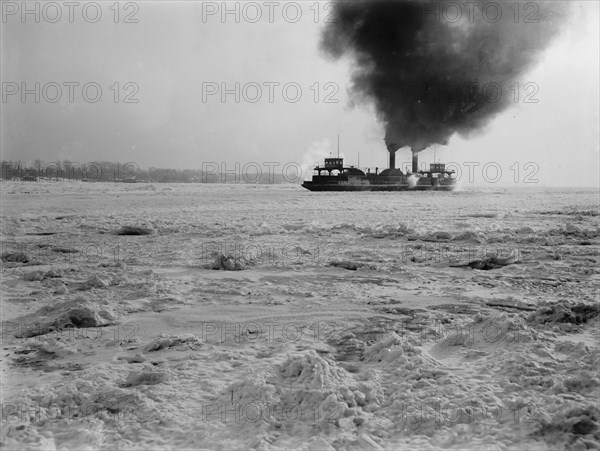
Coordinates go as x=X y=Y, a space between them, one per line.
x=33 y=276
x=43 y=355
x=469 y=235
x=257 y=389
x=168 y=341
x=323 y=388
x=352 y=266
x=145 y=377
x=79 y=401
x=231 y=263
x=307 y=391
x=575 y=428
x=311 y=371
x=387 y=349
x=570 y=313
x=135 y=230
x=15 y=257
x=77 y=313
x=502 y=328
x=571 y=348
x=437 y=236
x=93 y=282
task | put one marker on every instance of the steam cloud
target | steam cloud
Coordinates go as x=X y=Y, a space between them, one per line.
x=431 y=75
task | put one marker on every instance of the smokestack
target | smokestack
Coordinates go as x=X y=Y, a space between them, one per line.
x=392 y=148
x=415 y=162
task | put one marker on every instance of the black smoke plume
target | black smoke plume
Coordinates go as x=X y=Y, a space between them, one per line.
x=430 y=72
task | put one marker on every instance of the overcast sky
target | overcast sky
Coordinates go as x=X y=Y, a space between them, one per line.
x=177 y=54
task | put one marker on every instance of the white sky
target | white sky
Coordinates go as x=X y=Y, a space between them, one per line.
x=171 y=52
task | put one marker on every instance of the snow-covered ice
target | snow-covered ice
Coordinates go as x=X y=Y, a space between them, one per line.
x=333 y=321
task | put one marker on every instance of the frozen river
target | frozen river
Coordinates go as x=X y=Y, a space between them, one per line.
x=350 y=323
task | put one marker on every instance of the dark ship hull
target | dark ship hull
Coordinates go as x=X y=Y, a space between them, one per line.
x=423 y=184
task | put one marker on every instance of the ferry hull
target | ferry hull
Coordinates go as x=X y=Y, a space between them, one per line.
x=311 y=186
